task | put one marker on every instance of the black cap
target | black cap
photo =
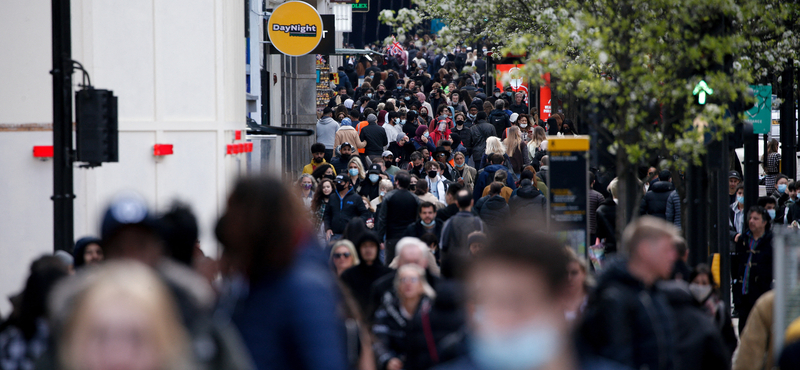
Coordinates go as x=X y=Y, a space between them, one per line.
x=339 y=178
x=127 y=209
x=440 y=149
x=375 y=168
x=497 y=89
x=735 y=175
x=344 y=144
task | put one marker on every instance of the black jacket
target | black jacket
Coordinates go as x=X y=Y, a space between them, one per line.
x=654 y=202
x=417 y=230
x=479 y=133
x=402 y=152
x=339 y=164
x=629 y=323
x=445 y=213
x=376 y=139
x=340 y=211
x=607 y=224
x=465 y=133
x=370 y=189
x=493 y=210
x=397 y=211
x=530 y=206
x=360 y=278
x=500 y=120
x=698 y=342
x=761 y=270
x=456 y=231
x=383 y=289
x=519 y=108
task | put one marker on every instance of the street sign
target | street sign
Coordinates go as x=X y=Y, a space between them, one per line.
x=361 y=6
x=569 y=190
x=327 y=45
x=701 y=90
x=295 y=28
x=760 y=115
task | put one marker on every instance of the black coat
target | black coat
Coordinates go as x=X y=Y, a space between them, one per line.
x=376 y=139
x=370 y=189
x=417 y=230
x=529 y=205
x=479 y=133
x=465 y=134
x=397 y=211
x=519 y=108
x=500 y=120
x=698 y=342
x=340 y=211
x=445 y=213
x=607 y=224
x=360 y=278
x=654 y=202
x=493 y=210
x=402 y=152
x=629 y=323
x=761 y=270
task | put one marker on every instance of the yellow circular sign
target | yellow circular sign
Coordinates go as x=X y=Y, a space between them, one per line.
x=295 y=28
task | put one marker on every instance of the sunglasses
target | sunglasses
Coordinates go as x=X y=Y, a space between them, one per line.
x=341 y=255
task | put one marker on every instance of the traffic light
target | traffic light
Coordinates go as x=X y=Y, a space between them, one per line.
x=96 y=126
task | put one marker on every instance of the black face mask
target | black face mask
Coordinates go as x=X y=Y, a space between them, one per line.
x=318 y=160
x=459 y=123
x=340 y=186
x=345 y=157
x=432 y=173
x=388 y=164
x=412 y=187
x=329 y=177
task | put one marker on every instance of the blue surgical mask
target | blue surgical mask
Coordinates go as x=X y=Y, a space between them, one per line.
x=529 y=346
x=740 y=200
x=407 y=98
x=402 y=122
x=771 y=213
x=399 y=87
x=374 y=177
x=782 y=188
x=353 y=171
x=459 y=165
x=428 y=224
x=426 y=134
x=383 y=193
x=369 y=95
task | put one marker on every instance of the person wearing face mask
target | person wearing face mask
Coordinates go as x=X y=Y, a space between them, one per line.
x=385 y=186
x=422 y=139
x=317 y=158
x=771 y=206
x=343 y=206
x=781 y=193
x=496 y=94
x=371 y=188
x=705 y=291
x=736 y=219
x=389 y=162
x=440 y=130
x=401 y=150
x=462 y=129
x=519 y=105
x=411 y=124
x=427 y=221
x=512 y=321
x=306 y=184
x=472 y=114
x=392 y=126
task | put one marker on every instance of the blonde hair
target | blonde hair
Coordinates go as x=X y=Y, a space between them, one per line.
x=427 y=289
x=588 y=283
x=357 y=161
x=495 y=146
x=612 y=188
x=385 y=184
x=512 y=140
x=643 y=229
x=81 y=300
x=350 y=247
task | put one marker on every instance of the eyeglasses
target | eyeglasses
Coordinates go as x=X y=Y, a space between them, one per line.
x=412 y=280
x=341 y=255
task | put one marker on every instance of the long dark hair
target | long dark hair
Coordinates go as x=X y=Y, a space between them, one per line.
x=45 y=272
x=319 y=172
x=262 y=226
x=319 y=197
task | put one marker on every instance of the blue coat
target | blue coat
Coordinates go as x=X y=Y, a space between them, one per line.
x=289 y=320
x=487 y=176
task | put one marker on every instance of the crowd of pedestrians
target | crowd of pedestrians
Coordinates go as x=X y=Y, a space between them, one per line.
x=414 y=239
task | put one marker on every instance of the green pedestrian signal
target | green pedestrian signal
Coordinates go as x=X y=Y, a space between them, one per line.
x=701 y=90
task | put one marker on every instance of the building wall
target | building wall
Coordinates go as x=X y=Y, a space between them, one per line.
x=178 y=68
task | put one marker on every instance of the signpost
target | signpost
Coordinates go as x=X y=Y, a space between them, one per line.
x=569 y=187
x=760 y=116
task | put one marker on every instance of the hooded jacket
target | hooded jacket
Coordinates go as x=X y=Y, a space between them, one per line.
x=360 y=278
x=627 y=322
x=500 y=120
x=326 y=131
x=654 y=202
x=350 y=135
x=698 y=342
x=398 y=210
x=493 y=210
x=487 y=176
x=529 y=205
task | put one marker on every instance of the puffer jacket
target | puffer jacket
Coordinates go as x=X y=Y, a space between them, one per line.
x=607 y=224
x=493 y=210
x=627 y=322
x=674 y=209
x=486 y=177
x=529 y=206
x=654 y=202
x=698 y=342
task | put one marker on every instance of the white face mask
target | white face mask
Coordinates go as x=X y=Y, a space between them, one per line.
x=523 y=125
x=700 y=292
x=497 y=95
x=529 y=346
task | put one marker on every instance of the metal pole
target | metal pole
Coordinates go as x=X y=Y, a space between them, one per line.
x=62 y=127
x=788 y=123
x=723 y=210
x=750 y=169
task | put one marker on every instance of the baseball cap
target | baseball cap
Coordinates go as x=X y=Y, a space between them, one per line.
x=344 y=144
x=375 y=168
x=339 y=178
x=735 y=175
x=127 y=209
x=387 y=153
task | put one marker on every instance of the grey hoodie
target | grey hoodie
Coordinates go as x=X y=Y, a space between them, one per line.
x=326 y=131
